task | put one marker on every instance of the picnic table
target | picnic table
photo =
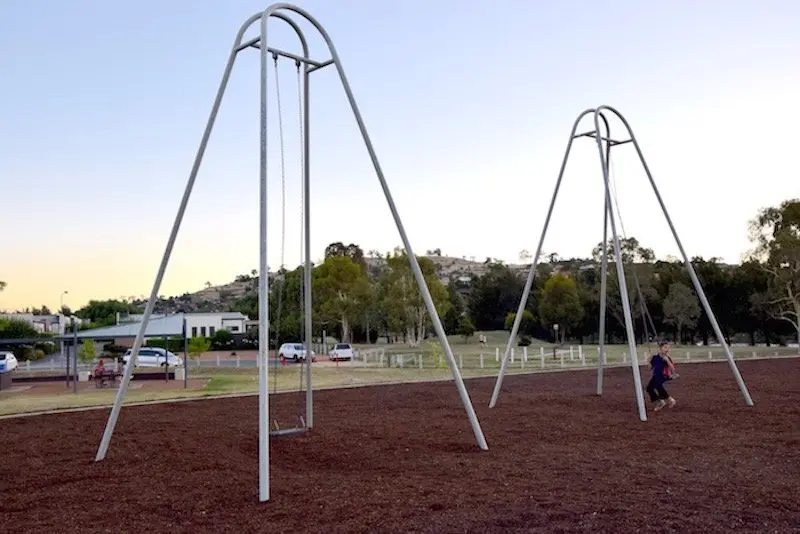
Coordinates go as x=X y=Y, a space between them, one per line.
x=105 y=376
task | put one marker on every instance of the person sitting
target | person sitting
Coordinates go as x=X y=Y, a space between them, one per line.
x=99 y=368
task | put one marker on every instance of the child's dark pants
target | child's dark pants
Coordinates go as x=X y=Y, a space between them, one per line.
x=655 y=388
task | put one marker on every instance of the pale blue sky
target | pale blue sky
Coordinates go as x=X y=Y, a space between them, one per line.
x=469 y=108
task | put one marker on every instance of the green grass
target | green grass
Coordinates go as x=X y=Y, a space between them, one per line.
x=226 y=380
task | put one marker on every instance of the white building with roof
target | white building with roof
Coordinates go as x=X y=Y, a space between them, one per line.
x=197 y=324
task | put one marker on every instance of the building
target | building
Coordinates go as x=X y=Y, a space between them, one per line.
x=198 y=324
x=45 y=324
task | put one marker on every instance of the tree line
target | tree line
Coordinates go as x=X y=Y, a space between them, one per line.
x=757 y=301
x=359 y=298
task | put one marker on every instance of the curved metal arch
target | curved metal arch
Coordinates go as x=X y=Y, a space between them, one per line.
x=689 y=267
x=261 y=14
x=529 y=281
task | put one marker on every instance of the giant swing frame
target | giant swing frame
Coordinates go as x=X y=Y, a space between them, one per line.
x=604 y=145
x=279 y=11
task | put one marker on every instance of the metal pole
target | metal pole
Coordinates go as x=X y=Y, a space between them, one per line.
x=689 y=267
x=65 y=354
x=623 y=289
x=529 y=282
x=185 y=356
x=601 y=351
x=137 y=344
x=166 y=357
x=307 y=242
x=263 y=280
x=75 y=355
x=412 y=259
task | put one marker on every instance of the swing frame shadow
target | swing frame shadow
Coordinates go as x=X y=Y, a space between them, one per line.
x=604 y=145
x=279 y=11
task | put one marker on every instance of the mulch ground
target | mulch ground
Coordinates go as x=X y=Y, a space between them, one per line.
x=403 y=459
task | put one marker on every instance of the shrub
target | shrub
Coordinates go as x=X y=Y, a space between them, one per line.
x=524 y=340
x=47 y=347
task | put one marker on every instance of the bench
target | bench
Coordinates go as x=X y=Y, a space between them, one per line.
x=106 y=376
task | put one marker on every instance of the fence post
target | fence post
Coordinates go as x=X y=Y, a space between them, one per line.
x=497 y=354
x=217 y=360
x=400 y=360
x=512 y=355
x=420 y=360
x=754 y=354
x=571 y=355
x=524 y=354
x=481 y=359
x=237 y=361
x=709 y=355
x=460 y=361
x=562 y=359
x=522 y=361
x=541 y=356
x=624 y=356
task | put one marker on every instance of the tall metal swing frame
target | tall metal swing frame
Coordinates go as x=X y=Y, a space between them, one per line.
x=280 y=11
x=604 y=145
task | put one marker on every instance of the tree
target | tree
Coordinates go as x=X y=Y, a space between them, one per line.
x=403 y=307
x=493 y=295
x=16 y=329
x=776 y=233
x=465 y=327
x=222 y=339
x=2 y=285
x=339 y=286
x=561 y=303
x=452 y=319
x=526 y=325
x=197 y=346
x=681 y=308
x=351 y=251
x=104 y=312
x=87 y=353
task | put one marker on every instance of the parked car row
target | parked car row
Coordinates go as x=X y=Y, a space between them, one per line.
x=297 y=352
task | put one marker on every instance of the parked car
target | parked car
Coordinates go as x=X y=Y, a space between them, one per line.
x=341 y=351
x=154 y=357
x=8 y=362
x=295 y=352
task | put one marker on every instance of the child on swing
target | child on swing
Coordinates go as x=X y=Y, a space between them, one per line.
x=663 y=369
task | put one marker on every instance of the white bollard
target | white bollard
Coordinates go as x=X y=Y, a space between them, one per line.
x=512 y=355
x=497 y=354
x=524 y=354
x=481 y=360
x=571 y=355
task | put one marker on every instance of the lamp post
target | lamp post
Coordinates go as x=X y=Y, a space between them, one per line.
x=61 y=307
x=555 y=344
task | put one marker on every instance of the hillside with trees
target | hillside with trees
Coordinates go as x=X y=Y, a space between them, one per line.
x=362 y=297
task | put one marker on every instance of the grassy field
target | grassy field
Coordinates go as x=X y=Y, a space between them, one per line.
x=374 y=365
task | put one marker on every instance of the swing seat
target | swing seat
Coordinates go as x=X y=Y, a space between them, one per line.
x=288 y=432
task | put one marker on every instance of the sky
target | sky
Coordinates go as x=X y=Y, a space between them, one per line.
x=469 y=109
